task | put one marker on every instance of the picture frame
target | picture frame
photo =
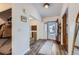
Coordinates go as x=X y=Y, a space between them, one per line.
x=23 y=18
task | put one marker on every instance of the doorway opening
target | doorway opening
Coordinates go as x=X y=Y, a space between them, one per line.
x=33 y=34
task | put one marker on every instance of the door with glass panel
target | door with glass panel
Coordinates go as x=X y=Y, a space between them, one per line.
x=52 y=30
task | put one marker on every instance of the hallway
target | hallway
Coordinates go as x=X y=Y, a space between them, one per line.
x=44 y=31
x=45 y=47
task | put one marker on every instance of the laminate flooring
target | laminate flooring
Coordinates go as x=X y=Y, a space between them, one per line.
x=5 y=49
x=46 y=47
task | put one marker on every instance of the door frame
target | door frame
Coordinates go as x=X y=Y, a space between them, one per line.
x=65 y=45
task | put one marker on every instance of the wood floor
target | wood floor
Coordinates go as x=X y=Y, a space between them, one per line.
x=5 y=48
x=39 y=48
x=76 y=50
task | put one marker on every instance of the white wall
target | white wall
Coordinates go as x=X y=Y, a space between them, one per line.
x=45 y=20
x=39 y=28
x=45 y=31
x=42 y=26
x=73 y=10
x=64 y=8
x=77 y=40
x=33 y=12
x=21 y=30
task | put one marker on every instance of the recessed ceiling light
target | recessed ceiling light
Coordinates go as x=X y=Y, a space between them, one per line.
x=46 y=5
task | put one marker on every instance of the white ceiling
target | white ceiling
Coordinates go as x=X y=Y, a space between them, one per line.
x=53 y=10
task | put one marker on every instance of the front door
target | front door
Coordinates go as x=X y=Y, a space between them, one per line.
x=52 y=30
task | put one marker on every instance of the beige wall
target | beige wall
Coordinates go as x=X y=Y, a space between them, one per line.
x=5 y=6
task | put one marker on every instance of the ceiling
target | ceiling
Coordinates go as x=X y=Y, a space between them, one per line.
x=4 y=6
x=53 y=10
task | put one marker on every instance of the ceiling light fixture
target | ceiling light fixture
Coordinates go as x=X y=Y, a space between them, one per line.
x=46 y=5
